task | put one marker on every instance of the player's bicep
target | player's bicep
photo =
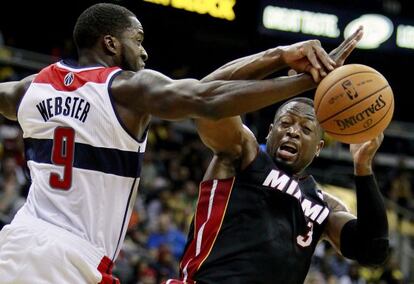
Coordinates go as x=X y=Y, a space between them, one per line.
x=10 y=95
x=151 y=92
x=222 y=135
x=228 y=137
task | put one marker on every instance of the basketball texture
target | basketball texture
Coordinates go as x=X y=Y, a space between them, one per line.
x=354 y=103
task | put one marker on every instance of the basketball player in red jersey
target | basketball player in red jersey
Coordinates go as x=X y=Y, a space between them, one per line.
x=259 y=216
x=85 y=129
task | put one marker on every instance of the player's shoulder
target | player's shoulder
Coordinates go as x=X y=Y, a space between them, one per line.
x=130 y=82
x=122 y=80
x=25 y=82
x=126 y=77
x=132 y=75
x=334 y=203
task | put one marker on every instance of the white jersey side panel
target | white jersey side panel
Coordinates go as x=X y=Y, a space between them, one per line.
x=96 y=167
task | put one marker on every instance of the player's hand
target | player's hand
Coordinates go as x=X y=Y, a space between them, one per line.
x=341 y=53
x=364 y=153
x=308 y=56
x=338 y=55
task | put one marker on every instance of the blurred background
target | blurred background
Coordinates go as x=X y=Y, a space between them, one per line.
x=191 y=38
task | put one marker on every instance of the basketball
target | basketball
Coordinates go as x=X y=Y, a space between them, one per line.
x=354 y=103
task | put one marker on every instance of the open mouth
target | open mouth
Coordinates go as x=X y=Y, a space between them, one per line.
x=287 y=151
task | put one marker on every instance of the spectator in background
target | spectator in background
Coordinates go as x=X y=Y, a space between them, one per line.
x=354 y=275
x=157 y=200
x=338 y=265
x=11 y=184
x=315 y=277
x=6 y=72
x=145 y=273
x=392 y=273
x=399 y=189
x=167 y=234
x=166 y=264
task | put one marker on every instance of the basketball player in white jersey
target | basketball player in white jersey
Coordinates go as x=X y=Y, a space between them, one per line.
x=85 y=130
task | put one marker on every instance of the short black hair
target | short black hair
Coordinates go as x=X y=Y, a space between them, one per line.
x=306 y=101
x=98 y=20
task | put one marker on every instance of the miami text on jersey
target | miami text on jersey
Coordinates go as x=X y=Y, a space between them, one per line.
x=277 y=180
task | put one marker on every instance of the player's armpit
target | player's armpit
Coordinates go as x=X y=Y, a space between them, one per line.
x=334 y=203
x=11 y=94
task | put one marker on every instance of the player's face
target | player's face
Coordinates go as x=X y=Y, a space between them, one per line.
x=294 y=138
x=133 y=54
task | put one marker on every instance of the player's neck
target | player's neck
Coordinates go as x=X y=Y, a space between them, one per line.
x=288 y=170
x=91 y=58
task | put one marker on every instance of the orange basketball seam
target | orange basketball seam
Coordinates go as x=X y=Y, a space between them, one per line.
x=334 y=83
x=379 y=90
x=343 y=134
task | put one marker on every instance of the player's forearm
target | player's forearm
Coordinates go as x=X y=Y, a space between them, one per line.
x=178 y=99
x=370 y=207
x=366 y=238
x=237 y=97
x=256 y=66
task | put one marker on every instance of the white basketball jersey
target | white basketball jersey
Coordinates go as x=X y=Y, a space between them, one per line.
x=83 y=163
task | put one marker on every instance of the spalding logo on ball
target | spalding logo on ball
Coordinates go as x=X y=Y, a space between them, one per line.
x=354 y=103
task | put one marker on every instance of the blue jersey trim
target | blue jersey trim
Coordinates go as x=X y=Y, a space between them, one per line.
x=112 y=99
x=105 y=160
x=124 y=220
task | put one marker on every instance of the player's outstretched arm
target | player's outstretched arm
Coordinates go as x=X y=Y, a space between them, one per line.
x=260 y=65
x=364 y=238
x=306 y=56
x=10 y=95
x=151 y=92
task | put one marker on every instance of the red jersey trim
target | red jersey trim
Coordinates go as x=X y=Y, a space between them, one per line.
x=105 y=268
x=65 y=80
x=211 y=208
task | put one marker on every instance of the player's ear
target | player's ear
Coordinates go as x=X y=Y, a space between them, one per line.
x=319 y=147
x=111 y=44
x=270 y=131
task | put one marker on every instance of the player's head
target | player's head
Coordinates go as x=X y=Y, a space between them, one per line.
x=113 y=33
x=295 y=137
